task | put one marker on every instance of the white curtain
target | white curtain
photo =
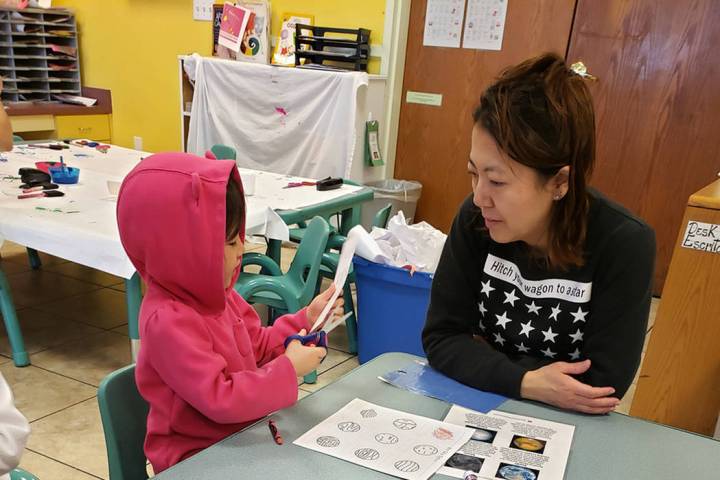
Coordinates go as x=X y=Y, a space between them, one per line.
x=283 y=120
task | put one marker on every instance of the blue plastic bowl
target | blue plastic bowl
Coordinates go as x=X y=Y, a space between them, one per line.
x=65 y=175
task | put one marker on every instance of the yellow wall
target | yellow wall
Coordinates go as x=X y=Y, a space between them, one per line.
x=131 y=48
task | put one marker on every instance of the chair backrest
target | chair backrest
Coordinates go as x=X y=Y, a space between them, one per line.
x=382 y=216
x=20 y=474
x=124 y=418
x=223 y=152
x=306 y=264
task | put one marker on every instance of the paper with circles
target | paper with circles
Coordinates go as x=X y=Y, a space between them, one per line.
x=389 y=441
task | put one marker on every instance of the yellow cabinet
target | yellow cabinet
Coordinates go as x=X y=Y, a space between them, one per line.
x=93 y=127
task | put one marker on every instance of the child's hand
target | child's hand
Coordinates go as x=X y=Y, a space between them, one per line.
x=319 y=302
x=303 y=358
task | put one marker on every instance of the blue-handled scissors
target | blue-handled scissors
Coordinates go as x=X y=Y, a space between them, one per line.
x=318 y=338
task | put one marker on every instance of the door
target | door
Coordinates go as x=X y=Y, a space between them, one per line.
x=657 y=104
x=434 y=142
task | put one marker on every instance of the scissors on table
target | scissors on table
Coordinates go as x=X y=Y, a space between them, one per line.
x=319 y=337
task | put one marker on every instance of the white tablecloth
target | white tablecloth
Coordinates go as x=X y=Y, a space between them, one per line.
x=82 y=227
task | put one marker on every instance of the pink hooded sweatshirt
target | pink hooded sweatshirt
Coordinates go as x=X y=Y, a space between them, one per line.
x=206 y=366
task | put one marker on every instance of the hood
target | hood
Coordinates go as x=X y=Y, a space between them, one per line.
x=171 y=217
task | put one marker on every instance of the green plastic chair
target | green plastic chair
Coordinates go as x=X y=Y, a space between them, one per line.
x=328 y=267
x=297 y=233
x=12 y=326
x=124 y=415
x=223 y=152
x=20 y=474
x=293 y=290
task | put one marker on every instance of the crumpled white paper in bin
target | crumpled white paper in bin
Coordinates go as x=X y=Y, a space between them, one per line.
x=418 y=245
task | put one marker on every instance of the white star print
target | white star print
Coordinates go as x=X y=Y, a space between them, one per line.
x=575 y=355
x=532 y=308
x=502 y=320
x=486 y=288
x=549 y=335
x=481 y=307
x=577 y=336
x=522 y=348
x=579 y=316
x=482 y=326
x=510 y=297
x=499 y=339
x=555 y=312
x=526 y=328
x=548 y=353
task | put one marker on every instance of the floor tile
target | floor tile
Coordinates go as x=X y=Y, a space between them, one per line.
x=338 y=339
x=303 y=393
x=654 y=305
x=286 y=258
x=39 y=393
x=105 y=308
x=8 y=267
x=626 y=401
x=332 y=375
x=88 y=360
x=33 y=288
x=42 y=330
x=332 y=359
x=85 y=274
x=81 y=423
x=18 y=254
x=121 y=286
x=46 y=468
x=121 y=330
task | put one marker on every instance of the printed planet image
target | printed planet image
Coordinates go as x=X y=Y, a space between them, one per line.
x=482 y=435
x=516 y=472
x=528 y=444
x=465 y=462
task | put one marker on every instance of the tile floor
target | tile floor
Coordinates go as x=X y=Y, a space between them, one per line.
x=74 y=323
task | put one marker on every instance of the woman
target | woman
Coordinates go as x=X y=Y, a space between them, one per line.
x=543 y=288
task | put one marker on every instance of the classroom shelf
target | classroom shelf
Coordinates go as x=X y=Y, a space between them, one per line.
x=32 y=71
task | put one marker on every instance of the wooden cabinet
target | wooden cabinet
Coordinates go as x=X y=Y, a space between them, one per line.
x=679 y=383
x=96 y=127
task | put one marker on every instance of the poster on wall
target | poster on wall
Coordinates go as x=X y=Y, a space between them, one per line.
x=485 y=24
x=443 y=23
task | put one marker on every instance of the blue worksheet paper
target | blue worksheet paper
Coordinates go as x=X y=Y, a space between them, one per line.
x=418 y=377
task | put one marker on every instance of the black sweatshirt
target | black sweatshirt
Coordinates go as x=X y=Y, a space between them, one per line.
x=495 y=311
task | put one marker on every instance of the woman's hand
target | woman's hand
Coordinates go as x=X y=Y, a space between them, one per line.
x=319 y=302
x=553 y=384
x=304 y=359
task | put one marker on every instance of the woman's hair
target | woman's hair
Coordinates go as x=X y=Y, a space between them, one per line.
x=234 y=209
x=541 y=114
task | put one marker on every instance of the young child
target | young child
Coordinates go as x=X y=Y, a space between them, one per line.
x=206 y=365
x=14 y=431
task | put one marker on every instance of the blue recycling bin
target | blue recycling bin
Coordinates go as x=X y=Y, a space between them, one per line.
x=391 y=305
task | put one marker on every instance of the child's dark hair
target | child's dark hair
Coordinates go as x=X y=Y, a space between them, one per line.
x=234 y=209
x=541 y=114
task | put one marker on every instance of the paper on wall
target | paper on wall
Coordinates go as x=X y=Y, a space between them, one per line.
x=443 y=23
x=505 y=445
x=389 y=441
x=485 y=24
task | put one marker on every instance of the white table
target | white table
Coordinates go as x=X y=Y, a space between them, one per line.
x=82 y=227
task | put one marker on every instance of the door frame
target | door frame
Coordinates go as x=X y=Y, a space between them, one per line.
x=395 y=35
